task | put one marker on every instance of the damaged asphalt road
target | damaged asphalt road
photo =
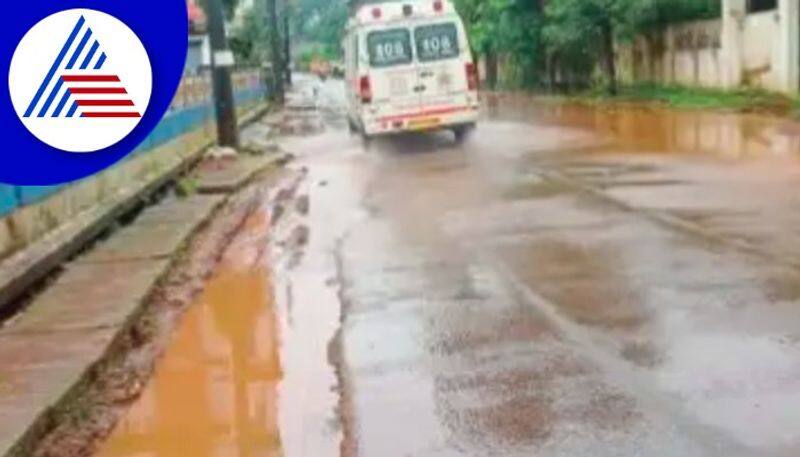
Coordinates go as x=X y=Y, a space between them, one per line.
x=569 y=282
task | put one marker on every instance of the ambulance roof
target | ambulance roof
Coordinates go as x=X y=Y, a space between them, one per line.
x=387 y=12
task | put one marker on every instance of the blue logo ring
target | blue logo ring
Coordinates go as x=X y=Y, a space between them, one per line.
x=162 y=27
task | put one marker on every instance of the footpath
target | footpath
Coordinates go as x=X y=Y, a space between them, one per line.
x=70 y=325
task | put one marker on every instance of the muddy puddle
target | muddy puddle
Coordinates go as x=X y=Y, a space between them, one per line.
x=654 y=129
x=215 y=391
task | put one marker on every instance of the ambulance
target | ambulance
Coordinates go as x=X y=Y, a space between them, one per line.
x=409 y=68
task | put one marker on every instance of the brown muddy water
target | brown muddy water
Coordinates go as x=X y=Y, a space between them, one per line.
x=643 y=128
x=214 y=392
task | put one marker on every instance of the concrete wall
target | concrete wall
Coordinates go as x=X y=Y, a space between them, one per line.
x=760 y=50
x=28 y=213
x=685 y=54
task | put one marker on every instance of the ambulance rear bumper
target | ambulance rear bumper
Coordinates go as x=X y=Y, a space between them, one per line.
x=421 y=121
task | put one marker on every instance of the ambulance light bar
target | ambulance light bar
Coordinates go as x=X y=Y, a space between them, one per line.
x=390 y=11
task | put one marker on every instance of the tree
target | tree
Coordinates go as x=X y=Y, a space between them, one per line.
x=249 y=40
x=508 y=27
x=276 y=52
x=579 y=30
x=583 y=32
x=229 y=6
x=322 y=23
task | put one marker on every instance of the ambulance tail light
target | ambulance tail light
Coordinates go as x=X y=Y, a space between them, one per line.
x=472 y=76
x=365 y=89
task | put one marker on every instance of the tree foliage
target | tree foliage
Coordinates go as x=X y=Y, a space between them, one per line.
x=321 y=23
x=540 y=41
x=249 y=38
x=541 y=37
x=316 y=24
x=581 y=33
x=508 y=27
x=229 y=7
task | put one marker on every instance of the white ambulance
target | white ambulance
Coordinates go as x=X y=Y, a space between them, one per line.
x=409 y=68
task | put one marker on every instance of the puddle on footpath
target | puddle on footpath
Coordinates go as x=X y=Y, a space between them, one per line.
x=215 y=392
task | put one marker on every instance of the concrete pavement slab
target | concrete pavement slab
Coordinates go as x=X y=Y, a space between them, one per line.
x=179 y=210
x=158 y=234
x=38 y=371
x=137 y=243
x=90 y=295
x=47 y=349
x=226 y=176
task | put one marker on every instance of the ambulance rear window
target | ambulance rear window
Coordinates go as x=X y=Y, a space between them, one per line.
x=436 y=42
x=389 y=47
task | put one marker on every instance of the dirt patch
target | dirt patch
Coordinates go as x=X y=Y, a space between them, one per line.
x=345 y=410
x=642 y=353
x=88 y=414
x=517 y=421
x=487 y=330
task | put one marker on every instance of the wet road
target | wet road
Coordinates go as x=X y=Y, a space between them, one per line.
x=572 y=281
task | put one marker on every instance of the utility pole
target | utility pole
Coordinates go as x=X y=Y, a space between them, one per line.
x=278 y=94
x=224 y=105
x=287 y=40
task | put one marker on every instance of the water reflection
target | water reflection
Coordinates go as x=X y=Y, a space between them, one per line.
x=646 y=128
x=215 y=391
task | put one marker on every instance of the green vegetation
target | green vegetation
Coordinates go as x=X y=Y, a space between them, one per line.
x=560 y=43
x=249 y=38
x=552 y=44
x=563 y=45
x=321 y=24
x=186 y=186
x=316 y=52
x=510 y=29
x=741 y=100
x=316 y=28
x=229 y=7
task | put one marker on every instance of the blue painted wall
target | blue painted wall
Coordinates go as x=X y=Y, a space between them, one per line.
x=174 y=124
x=32 y=194
x=8 y=199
